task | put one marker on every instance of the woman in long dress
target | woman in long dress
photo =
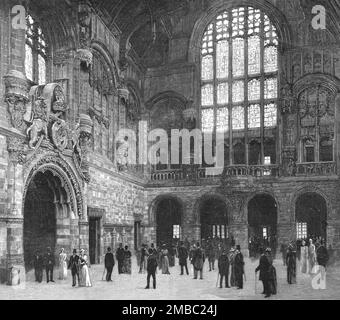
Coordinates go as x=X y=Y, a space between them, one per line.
x=232 y=267
x=304 y=267
x=291 y=265
x=165 y=261
x=127 y=260
x=85 y=274
x=311 y=255
x=62 y=265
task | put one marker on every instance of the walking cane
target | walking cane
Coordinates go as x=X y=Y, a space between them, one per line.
x=218 y=276
x=255 y=283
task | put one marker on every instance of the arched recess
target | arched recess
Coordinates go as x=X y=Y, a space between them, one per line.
x=262 y=223
x=274 y=14
x=214 y=216
x=311 y=216
x=52 y=207
x=317 y=118
x=166 y=215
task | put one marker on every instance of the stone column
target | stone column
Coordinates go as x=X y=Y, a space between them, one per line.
x=289 y=128
x=84 y=235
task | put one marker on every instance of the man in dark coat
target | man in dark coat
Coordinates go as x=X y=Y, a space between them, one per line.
x=223 y=268
x=239 y=267
x=49 y=265
x=198 y=259
x=109 y=263
x=120 y=258
x=143 y=257
x=322 y=256
x=38 y=263
x=291 y=265
x=211 y=255
x=183 y=256
x=263 y=267
x=151 y=269
x=73 y=264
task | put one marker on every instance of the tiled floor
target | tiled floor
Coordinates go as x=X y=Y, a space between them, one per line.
x=172 y=287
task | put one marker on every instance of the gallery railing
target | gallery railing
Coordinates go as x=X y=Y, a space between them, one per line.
x=316 y=169
x=192 y=173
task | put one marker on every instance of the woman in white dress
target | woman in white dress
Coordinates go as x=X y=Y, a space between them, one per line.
x=62 y=265
x=304 y=258
x=311 y=255
x=85 y=274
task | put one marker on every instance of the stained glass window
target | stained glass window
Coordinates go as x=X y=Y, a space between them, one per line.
x=239 y=61
x=222 y=119
x=208 y=120
x=270 y=59
x=254 y=90
x=238 y=57
x=222 y=59
x=29 y=62
x=238 y=118
x=270 y=88
x=270 y=115
x=222 y=93
x=254 y=55
x=35 y=52
x=207 y=95
x=238 y=91
x=254 y=116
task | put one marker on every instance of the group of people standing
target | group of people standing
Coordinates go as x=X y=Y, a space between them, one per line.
x=78 y=264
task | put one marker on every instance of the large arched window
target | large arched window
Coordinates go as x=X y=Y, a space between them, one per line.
x=35 y=52
x=239 y=87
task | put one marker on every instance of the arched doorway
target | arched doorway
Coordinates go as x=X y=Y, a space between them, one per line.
x=311 y=216
x=214 y=218
x=262 y=223
x=47 y=214
x=168 y=221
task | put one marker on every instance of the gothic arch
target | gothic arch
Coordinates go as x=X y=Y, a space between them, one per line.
x=207 y=196
x=315 y=80
x=258 y=193
x=154 y=203
x=59 y=167
x=275 y=15
x=104 y=53
x=165 y=95
x=308 y=189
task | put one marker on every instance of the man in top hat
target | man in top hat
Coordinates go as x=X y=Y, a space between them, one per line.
x=239 y=268
x=151 y=268
x=109 y=263
x=183 y=256
x=38 y=263
x=120 y=258
x=198 y=259
x=223 y=268
x=49 y=265
x=291 y=265
x=74 y=266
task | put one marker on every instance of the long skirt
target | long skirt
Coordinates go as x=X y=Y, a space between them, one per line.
x=291 y=273
x=127 y=266
x=85 y=277
x=232 y=277
x=165 y=265
x=272 y=280
x=63 y=271
x=171 y=261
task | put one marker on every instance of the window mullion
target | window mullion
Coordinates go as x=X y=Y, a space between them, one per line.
x=246 y=87
x=262 y=35
x=215 y=77
x=230 y=86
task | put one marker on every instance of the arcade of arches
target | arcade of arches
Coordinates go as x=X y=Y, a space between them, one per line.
x=234 y=71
